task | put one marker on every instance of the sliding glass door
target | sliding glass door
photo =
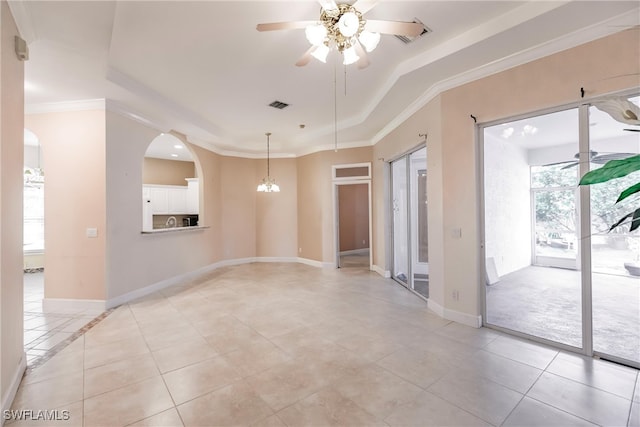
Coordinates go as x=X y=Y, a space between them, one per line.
x=410 y=231
x=530 y=178
x=399 y=200
x=555 y=270
x=615 y=254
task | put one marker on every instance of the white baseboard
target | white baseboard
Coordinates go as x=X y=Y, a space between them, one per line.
x=456 y=316
x=163 y=284
x=7 y=399
x=65 y=305
x=355 y=252
x=315 y=263
x=435 y=307
x=381 y=271
x=139 y=293
x=275 y=259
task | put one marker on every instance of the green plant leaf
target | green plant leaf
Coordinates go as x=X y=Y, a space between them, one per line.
x=635 y=221
x=628 y=192
x=611 y=170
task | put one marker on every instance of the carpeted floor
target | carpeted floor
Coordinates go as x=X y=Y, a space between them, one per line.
x=546 y=302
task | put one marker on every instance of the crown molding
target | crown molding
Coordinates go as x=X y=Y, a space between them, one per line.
x=511 y=19
x=137 y=88
x=60 y=107
x=559 y=44
x=223 y=151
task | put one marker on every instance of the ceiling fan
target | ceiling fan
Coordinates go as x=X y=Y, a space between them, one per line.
x=342 y=27
x=594 y=157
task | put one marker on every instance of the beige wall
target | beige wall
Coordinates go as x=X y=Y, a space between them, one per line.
x=73 y=146
x=239 y=179
x=401 y=140
x=136 y=260
x=601 y=67
x=353 y=216
x=551 y=81
x=12 y=360
x=315 y=204
x=167 y=172
x=277 y=213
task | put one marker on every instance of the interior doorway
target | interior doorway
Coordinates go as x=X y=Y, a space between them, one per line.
x=352 y=216
x=353 y=225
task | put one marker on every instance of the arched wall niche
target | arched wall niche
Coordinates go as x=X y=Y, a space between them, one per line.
x=171 y=184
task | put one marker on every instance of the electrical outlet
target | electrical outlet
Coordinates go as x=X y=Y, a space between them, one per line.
x=455 y=295
x=364 y=242
x=299 y=250
x=92 y=232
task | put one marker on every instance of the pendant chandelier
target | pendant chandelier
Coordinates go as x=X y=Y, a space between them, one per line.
x=268 y=185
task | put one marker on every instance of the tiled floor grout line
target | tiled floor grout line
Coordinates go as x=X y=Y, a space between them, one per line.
x=175 y=303
x=62 y=345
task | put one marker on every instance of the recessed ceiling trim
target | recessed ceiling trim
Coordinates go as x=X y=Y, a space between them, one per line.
x=132 y=85
x=23 y=20
x=488 y=29
x=562 y=43
x=60 y=107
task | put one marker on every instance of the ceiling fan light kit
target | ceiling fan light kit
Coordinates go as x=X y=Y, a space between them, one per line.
x=342 y=27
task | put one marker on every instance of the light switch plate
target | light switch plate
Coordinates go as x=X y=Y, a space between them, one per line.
x=92 y=232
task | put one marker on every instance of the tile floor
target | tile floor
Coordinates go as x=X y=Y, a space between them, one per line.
x=45 y=330
x=292 y=345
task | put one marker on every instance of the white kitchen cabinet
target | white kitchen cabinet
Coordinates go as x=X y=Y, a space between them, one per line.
x=177 y=200
x=193 y=196
x=166 y=199
x=147 y=214
x=159 y=200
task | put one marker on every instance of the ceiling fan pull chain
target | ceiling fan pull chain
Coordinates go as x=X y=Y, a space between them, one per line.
x=335 y=107
x=345 y=80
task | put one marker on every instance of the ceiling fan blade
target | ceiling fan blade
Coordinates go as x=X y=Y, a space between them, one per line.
x=363 y=62
x=364 y=6
x=411 y=29
x=328 y=4
x=304 y=59
x=559 y=163
x=572 y=164
x=632 y=130
x=604 y=158
x=292 y=25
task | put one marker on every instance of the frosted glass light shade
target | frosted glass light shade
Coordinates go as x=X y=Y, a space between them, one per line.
x=316 y=34
x=348 y=24
x=321 y=52
x=369 y=40
x=268 y=186
x=350 y=56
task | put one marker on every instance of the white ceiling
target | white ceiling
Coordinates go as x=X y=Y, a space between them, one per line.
x=165 y=146
x=202 y=69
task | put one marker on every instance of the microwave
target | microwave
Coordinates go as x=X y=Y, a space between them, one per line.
x=190 y=221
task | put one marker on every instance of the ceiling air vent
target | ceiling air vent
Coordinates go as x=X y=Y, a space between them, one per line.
x=408 y=39
x=279 y=105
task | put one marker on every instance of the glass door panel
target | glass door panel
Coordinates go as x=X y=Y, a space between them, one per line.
x=399 y=193
x=555 y=224
x=530 y=221
x=615 y=255
x=419 y=235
